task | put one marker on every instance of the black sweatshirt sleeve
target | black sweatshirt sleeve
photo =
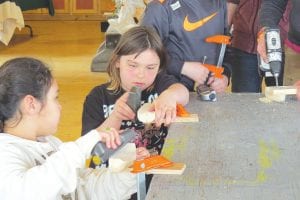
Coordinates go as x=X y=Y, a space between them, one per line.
x=92 y=114
x=271 y=12
x=163 y=81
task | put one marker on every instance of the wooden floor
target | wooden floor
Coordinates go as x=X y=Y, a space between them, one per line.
x=68 y=47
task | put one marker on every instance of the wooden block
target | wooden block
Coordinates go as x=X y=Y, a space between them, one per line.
x=176 y=169
x=191 y=118
x=278 y=93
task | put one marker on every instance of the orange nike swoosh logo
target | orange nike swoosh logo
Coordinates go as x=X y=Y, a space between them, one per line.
x=191 y=26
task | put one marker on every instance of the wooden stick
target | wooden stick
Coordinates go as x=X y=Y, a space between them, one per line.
x=176 y=168
x=190 y=118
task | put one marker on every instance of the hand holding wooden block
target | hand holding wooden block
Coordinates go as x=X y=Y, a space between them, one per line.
x=146 y=116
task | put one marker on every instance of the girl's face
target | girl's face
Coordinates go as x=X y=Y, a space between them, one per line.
x=138 y=70
x=49 y=114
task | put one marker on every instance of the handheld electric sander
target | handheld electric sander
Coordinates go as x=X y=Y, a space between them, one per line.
x=100 y=153
x=274 y=54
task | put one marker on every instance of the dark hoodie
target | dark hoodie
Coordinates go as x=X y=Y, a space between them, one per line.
x=271 y=12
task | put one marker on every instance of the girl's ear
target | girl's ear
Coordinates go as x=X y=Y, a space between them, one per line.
x=30 y=105
x=118 y=64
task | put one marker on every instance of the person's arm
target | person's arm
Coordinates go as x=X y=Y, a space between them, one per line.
x=24 y=176
x=195 y=71
x=92 y=114
x=170 y=93
x=177 y=93
x=297 y=84
x=270 y=13
x=165 y=104
x=120 y=112
x=115 y=112
x=219 y=84
x=103 y=184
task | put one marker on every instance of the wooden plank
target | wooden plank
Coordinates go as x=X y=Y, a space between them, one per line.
x=278 y=93
x=191 y=118
x=176 y=169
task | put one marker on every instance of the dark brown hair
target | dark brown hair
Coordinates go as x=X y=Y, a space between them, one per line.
x=20 y=77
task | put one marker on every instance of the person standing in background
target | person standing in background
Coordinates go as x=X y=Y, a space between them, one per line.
x=244 y=19
x=183 y=26
x=270 y=13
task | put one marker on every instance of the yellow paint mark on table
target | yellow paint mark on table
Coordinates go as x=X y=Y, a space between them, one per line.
x=267 y=154
x=168 y=150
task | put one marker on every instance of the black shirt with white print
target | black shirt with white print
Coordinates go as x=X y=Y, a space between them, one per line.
x=100 y=102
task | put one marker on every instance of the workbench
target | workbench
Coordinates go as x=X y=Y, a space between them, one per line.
x=241 y=148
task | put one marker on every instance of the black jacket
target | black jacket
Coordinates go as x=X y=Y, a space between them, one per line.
x=271 y=12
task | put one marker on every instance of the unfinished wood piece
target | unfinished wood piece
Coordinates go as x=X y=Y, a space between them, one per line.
x=176 y=169
x=190 y=118
x=146 y=116
x=278 y=93
x=123 y=158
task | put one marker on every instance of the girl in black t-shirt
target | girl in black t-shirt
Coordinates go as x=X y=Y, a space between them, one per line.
x=138 y=60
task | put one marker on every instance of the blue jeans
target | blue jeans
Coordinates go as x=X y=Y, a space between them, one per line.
x=246 y=76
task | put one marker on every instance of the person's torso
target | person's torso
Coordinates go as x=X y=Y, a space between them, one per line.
x=294 y=26
x=191 y=21
x=245 y=25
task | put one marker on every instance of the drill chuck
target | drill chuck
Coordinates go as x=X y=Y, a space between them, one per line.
x=275 y=70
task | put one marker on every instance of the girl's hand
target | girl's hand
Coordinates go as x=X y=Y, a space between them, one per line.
x=142 y=153
x=110 y=137
x=165 y=109
x=218 y=84
x=297 y=84
x=261 y=45
x=121 y=110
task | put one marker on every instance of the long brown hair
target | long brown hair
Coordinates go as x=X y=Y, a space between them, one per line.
x=134 y=41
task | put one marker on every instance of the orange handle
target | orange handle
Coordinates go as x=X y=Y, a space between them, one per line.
x=219 y=39
x=217 y=71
